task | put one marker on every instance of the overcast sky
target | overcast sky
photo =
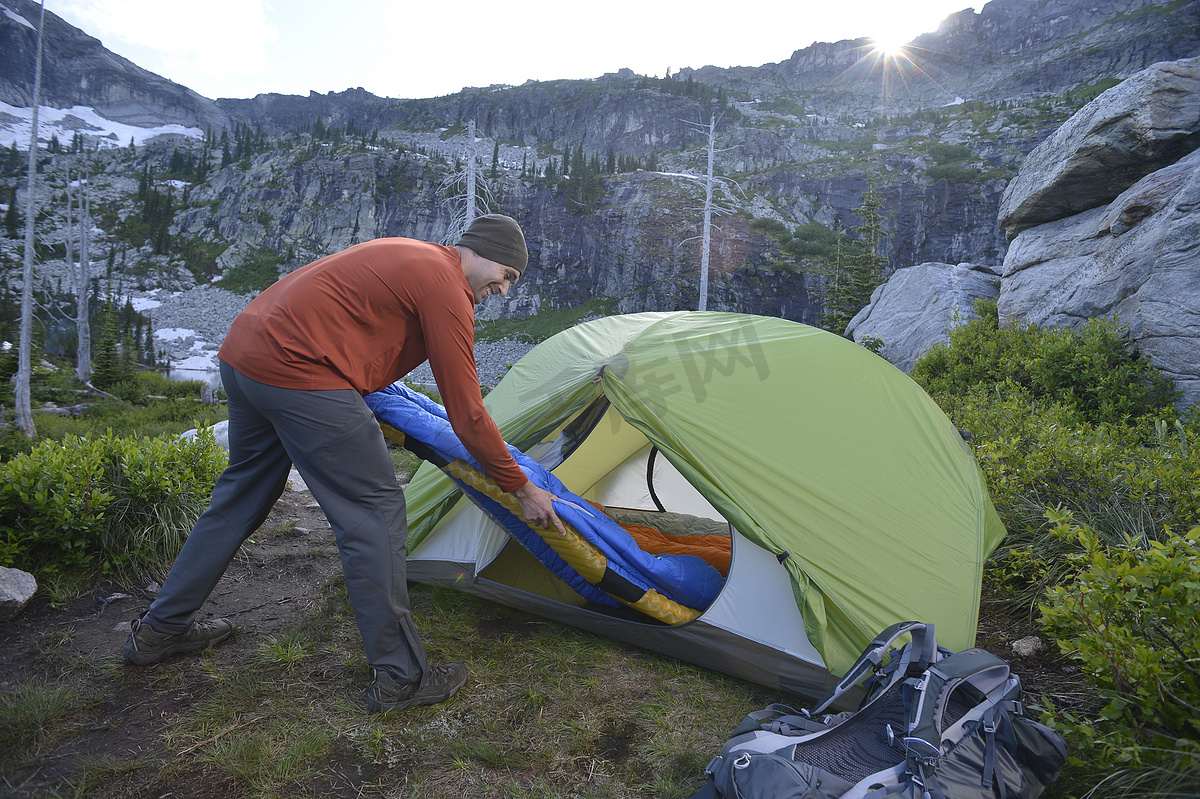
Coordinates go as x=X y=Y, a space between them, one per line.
x=418 y=48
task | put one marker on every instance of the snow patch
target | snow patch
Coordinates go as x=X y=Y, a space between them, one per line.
x=143 y=303
x=195 y=363
x=201 y=358
x=15 y=125
x=17 y=18
x=174 y=333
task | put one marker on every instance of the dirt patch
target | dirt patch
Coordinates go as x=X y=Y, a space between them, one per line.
x=267 y=587
x=1049 y=675
x=273 y=583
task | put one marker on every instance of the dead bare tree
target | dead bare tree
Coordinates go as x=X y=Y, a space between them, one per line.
x=469 y=216
x=464 y=202
x=712 y=185
x=24 y=410
x=81 y=278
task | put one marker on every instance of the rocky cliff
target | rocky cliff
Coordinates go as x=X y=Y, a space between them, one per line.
x=939 y=134
x=1105 y=216
x=77 y=70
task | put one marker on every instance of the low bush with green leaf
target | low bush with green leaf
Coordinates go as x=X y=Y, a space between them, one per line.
x=547 y=322
x=142 y=387
x=257 y=271
x=156 y=418
x=1090 y=370
x=1129 y=619
x=119 y=505
x=1092 y=471
x=1038 y=454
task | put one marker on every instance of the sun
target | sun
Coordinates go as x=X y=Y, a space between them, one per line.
x=891 y=46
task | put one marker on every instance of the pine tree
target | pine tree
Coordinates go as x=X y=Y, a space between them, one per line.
x=855 y=274
x=12 y=217
x=106 y=362
x=148 y=355
x=578 y=162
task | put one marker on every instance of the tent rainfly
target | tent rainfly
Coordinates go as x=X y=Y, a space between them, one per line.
x=850 y=498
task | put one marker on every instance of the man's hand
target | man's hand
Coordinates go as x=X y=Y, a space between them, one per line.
x=536 y=507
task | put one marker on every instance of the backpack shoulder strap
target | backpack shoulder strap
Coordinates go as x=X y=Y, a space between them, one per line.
x=759 y=719
x=929 y=694
x=921 y=652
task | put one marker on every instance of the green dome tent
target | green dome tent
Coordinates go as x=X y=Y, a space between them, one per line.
x=851 y=500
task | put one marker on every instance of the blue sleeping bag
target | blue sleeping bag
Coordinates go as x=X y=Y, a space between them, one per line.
x=686 y=579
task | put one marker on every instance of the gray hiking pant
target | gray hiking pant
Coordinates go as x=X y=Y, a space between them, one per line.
x=337 y=447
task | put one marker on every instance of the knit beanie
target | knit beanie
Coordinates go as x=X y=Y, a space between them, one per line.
x=497 y=238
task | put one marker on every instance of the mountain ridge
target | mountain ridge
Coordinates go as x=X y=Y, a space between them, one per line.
x=287 y=178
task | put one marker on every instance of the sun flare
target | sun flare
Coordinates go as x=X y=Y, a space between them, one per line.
x=890 y=46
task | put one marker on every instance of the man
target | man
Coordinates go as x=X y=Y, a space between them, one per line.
x=295 y=366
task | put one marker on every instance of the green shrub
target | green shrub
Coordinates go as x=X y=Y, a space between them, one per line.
x=1091 y=469
x=949 y=153
x=257 y=271
x=52 y=503
x=545 y=323
x=1129 y=619
x=200 y=258
x=1039 y=453
x=123 y=505
x=814 y=240
x=1065 y=422
x=772 y=228
x=138 y=387
x=1039 y=460
x=1091 y=370
x=156 y=418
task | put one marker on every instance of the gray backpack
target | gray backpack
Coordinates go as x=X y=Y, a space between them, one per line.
x=933 y=724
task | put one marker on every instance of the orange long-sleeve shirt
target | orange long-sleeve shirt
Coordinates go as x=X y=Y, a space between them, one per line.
x=365 y=317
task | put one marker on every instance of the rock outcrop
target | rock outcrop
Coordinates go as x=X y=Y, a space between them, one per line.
x=1145 y=123
x=16 y=589
x=1136 y=258
x=916 y=308
x=1105 y=220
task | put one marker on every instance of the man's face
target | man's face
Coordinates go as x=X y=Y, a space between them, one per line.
x=489 y=278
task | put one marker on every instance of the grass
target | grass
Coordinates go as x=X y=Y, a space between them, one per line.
x=546 y=323
x=97 y=772
x=549 y=711
x=285 y=651
x=31 y=717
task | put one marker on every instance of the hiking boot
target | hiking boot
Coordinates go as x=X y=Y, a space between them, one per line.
x=441 y=682
x=147 y=645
